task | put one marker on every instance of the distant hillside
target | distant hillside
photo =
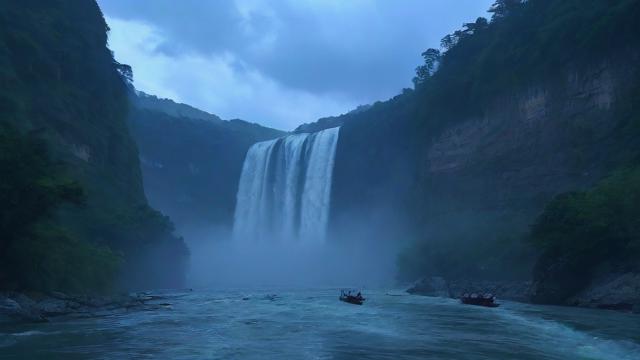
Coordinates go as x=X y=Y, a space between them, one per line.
x=191 y=160
x=329 y=122
x=170 y=107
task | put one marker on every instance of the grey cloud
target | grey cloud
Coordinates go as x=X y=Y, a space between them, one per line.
x=366 y=51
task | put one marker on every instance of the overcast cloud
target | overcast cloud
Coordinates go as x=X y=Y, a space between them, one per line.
x=279 y=63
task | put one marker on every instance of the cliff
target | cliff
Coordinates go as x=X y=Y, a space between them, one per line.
x=552 y=137
x=536 y=103
x=64 y=103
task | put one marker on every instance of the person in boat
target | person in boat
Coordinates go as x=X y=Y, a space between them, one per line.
x=359 y=296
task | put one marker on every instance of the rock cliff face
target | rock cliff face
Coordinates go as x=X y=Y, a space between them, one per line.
x=611 y=291
x=554 y=137
x=492 y=175
x=471 y=190
x=62 y=83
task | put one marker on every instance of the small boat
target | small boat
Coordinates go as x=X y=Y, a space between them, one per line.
x=348 y=297
x=486 y=300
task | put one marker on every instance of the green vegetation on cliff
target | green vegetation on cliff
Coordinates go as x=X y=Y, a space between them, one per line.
x=579 y=232
x=63 y=107
x=36 y=252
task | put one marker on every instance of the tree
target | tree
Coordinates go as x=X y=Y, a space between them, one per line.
x=125 y=71
x=451 y=40
x=474 y=27
x=448 y=42
x=502 y=8
x=423 y=72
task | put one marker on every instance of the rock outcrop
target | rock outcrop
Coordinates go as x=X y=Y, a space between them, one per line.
x=431 y=286
x=21 y=308
x=619 y=292
x=611 y=291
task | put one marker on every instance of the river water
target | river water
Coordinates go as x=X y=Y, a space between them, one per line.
x=313 y=324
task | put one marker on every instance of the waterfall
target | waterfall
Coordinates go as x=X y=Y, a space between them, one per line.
x=285 y=189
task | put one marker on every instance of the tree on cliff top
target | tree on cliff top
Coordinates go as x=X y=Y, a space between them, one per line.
x=502 y=8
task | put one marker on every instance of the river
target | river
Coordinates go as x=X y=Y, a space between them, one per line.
x=313 y=324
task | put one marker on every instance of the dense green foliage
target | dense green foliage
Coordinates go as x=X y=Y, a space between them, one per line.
x=481 y=249
x=525 y=42
x=59 y=80
x=35 y=252
x=578 y=232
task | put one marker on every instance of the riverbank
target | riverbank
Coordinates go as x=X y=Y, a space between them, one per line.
x=18 y=307
x=618 y=292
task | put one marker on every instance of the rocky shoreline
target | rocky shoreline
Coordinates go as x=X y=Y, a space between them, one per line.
x=17 y=307
x=619 y=292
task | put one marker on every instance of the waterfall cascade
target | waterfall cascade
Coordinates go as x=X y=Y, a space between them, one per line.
x=285 y=189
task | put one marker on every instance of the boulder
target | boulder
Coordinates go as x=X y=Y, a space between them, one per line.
x=56 y=307
x=12 y=311
x=430 y=286
x=9 y=310
x=611 y=291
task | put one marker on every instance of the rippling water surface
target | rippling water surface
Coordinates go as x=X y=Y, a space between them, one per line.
x=313 y=324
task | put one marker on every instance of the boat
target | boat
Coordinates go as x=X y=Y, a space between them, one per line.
x=348 y=297
x=486 y=300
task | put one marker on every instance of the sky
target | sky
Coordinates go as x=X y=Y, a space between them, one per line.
x=279 y=63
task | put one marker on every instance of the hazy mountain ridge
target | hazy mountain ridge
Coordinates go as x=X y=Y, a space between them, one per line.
x=191 y=160
x=330 y=121
x=143 y=100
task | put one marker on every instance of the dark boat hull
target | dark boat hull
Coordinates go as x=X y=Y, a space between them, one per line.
x=352 y=300
x=479 y=302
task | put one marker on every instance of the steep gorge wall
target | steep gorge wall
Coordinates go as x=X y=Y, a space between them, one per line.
x=484 y=180
x=554 y=137
x=469 y=192
x=560 y=135
x=62 y=84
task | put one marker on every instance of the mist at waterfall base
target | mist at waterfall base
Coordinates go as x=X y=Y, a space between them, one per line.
x=282 y=235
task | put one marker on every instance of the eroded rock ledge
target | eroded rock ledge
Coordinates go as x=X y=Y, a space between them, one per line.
x=20 y=307
x=614 y=292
